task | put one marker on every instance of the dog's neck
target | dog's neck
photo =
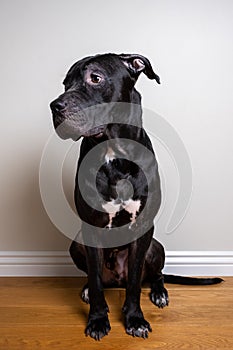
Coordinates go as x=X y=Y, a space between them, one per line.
x=125 y=120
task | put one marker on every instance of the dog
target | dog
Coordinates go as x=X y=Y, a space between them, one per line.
x=118 y=193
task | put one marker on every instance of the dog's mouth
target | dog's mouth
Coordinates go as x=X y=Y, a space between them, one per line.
x=65 y=132
x=97 y=132
x=75 y=125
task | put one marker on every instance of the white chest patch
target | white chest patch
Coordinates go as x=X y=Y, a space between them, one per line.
x=112 y=208
x=132 y=207
x=110 y=155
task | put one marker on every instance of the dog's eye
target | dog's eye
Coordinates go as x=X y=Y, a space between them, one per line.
x=95 y=78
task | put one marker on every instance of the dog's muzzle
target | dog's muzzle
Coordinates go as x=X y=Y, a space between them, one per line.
x=58 y=108
x=73 y=124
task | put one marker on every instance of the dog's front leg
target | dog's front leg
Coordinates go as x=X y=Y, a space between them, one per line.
x=135 y=323
x=98 y=324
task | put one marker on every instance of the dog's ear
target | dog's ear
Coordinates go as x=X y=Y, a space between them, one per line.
x=137 y=64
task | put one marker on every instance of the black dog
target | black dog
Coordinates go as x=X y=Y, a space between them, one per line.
x=116 y=245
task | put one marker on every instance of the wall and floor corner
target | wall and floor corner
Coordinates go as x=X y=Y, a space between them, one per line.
x=190 y=46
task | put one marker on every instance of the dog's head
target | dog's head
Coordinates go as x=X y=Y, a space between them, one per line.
x=97 y=81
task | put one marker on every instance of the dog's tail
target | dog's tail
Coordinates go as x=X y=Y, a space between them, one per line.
x=191 y=281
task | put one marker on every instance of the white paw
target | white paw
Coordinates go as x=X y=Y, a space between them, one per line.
x=85 y=295
x=160 y=300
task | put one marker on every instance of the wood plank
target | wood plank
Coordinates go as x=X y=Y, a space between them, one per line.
x=47 y=313
x=72 y=337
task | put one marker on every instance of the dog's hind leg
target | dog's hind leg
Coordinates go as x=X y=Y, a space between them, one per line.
x=159 y=294
x=154 y=264
x=77 y=252
x=78 y=255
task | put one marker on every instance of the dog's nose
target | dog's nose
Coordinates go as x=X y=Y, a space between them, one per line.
x=58 y=105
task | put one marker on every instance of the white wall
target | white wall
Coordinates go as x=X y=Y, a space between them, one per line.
x=190 y=46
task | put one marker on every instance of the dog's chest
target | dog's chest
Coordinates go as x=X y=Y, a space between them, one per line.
x=124 y=212
x=121 y=206
x=109 y=155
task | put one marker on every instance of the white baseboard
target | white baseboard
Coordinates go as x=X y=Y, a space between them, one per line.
x=37 y=263
x=199 y=263
x=59 y=263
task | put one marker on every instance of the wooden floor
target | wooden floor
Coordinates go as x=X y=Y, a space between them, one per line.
x=47 y=313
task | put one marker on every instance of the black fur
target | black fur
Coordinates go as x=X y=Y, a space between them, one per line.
x=90 y=82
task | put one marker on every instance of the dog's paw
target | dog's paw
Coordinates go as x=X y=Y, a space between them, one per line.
x=160 y=299
x=138 y=327
x=85 y=294
x=97 y=328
